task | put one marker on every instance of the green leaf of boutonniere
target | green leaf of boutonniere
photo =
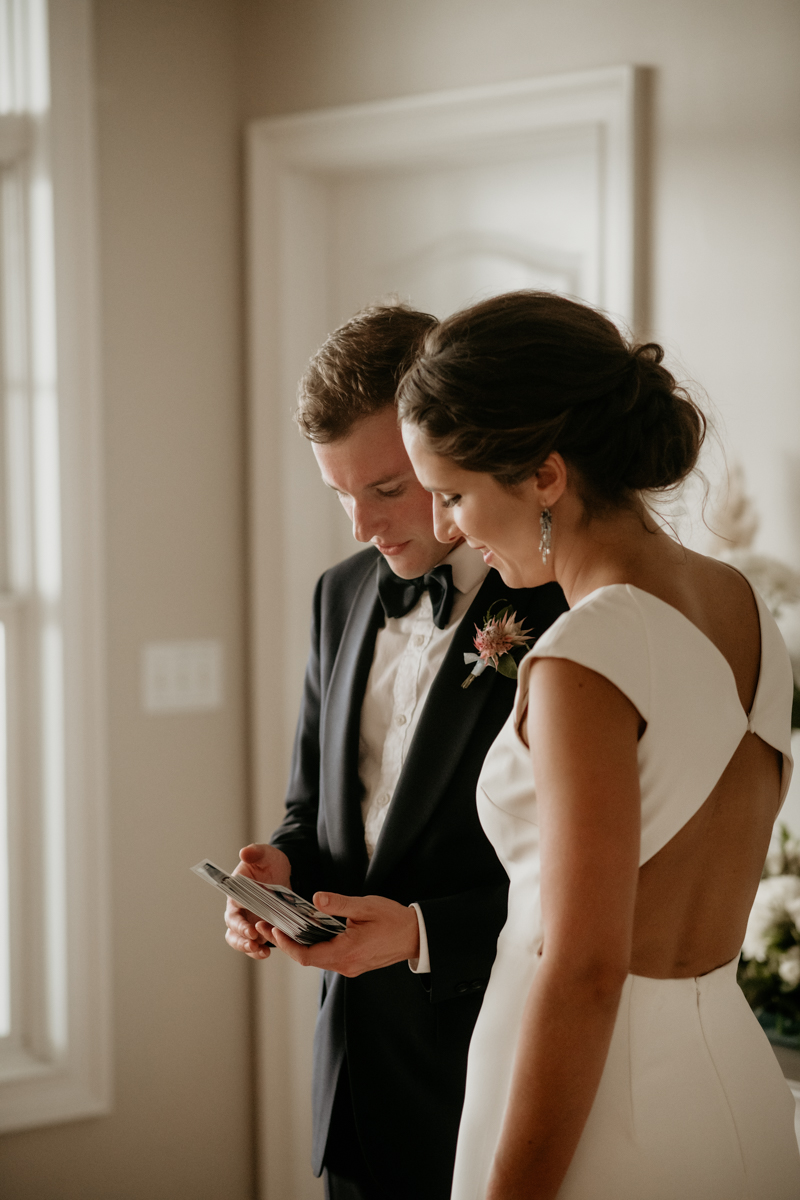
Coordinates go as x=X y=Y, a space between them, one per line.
x=507 y=666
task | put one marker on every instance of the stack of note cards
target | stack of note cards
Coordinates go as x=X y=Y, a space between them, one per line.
x=278 y=906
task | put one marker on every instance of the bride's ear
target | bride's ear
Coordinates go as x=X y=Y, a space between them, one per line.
x=550 y=481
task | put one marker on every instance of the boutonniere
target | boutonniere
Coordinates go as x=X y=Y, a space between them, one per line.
x=501 y=633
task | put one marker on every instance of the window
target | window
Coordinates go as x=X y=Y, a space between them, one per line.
x=53 y=976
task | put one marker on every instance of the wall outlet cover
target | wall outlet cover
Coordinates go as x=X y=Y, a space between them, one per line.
x=183 y=676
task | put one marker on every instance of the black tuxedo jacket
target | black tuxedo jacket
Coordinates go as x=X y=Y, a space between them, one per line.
x=405 y=1037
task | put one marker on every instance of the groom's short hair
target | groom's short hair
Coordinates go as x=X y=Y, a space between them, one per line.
x=357 y=369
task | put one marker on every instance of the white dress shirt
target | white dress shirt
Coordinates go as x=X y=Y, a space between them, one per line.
x=409 y=651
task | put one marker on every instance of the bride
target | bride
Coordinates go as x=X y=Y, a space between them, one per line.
x=631 y=794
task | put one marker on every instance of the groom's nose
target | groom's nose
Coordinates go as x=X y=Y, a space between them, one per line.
x=367 y=521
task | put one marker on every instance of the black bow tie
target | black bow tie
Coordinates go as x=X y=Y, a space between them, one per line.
x=398 y=596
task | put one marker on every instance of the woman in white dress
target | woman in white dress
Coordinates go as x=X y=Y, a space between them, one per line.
x=632 y=793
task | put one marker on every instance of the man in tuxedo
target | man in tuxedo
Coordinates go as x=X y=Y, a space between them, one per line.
x=381 y=824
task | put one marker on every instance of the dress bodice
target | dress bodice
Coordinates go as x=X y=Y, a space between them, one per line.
x=685 y=691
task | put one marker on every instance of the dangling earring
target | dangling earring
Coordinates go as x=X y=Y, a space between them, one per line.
x=546 y=542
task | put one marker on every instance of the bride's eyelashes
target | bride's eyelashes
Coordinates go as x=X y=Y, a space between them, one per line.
x=449 y=501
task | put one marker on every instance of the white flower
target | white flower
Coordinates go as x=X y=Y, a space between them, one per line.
x=777 y=900
x=783 y=856
x=789 y=969
x=777 y=583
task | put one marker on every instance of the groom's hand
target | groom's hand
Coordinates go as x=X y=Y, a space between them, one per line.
x=266 y=864
x=379 y=932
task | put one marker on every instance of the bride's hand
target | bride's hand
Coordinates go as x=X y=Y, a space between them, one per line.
x=379 y=932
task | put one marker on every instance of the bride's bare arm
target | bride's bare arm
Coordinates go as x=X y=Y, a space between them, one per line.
x=583 y=737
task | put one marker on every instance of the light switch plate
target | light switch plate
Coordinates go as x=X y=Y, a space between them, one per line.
x=182 y=676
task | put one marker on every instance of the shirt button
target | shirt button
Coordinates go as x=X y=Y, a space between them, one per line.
x=384 y=799
x=401 y=720
x=419 y=640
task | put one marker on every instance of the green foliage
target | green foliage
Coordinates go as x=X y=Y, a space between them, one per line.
x=763 y=986
x=493 y=613
x=776 y=1005
x=796 y=708
x=775 y=1002
x=507 y=666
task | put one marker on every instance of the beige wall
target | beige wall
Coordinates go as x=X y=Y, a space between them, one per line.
x=169 y=151
x=174 y=79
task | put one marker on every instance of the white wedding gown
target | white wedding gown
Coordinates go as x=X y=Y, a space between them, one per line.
x=692 y=1104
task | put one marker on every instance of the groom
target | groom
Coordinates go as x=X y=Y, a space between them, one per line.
x=380 y=810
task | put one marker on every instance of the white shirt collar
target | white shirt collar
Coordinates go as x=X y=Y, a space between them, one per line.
x=469 y=569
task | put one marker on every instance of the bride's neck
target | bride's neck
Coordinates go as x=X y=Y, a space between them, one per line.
x=623 y=546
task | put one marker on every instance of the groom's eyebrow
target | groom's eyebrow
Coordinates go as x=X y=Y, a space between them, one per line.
x=382 y=482
x=388 y=479
x=397 y=477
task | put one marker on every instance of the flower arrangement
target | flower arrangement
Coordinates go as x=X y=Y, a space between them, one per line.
x=501 y=633
x=769 y=969
x=733 y=527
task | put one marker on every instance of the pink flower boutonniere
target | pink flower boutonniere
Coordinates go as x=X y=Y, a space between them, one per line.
x=501 y=633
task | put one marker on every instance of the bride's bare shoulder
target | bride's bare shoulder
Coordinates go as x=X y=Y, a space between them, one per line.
x=722 y=586
x=707 y=591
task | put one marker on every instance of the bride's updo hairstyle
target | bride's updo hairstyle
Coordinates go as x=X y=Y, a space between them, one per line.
x=498 y=387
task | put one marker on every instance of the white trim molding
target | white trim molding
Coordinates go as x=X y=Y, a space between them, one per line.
x=59 y=1067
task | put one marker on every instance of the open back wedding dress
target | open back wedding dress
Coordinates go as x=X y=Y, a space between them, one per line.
x=692 y=1104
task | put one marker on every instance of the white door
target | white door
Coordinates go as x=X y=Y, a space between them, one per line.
x=441 y=201
x=442 y=236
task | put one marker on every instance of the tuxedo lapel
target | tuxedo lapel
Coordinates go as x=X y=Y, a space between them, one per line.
x=339 y=785
x=445 y=726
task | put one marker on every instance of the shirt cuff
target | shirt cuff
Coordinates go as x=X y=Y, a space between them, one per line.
x=421 y=965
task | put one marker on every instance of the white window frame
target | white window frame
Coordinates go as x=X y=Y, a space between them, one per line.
x=57 y=1064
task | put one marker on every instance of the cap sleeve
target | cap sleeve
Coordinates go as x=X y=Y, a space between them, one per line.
x=606 y=633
